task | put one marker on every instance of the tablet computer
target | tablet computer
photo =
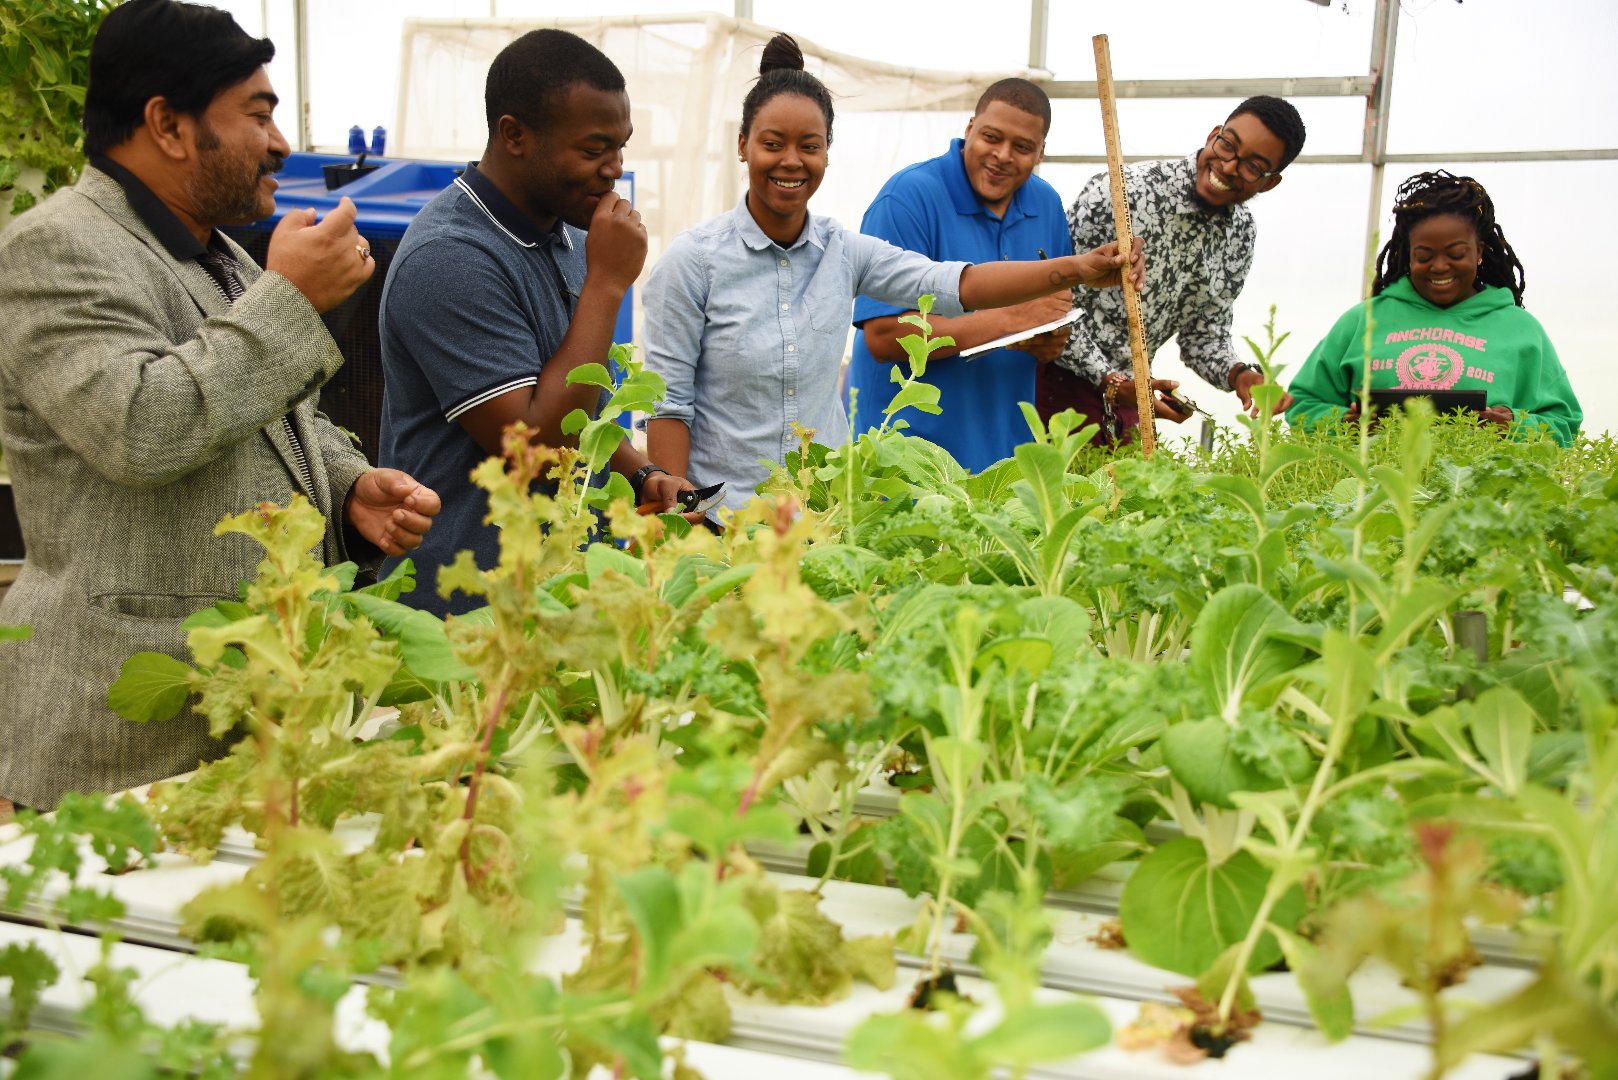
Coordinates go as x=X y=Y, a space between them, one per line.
x=1444 y=401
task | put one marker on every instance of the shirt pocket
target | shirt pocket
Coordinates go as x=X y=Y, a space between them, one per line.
x=152 y=607
x=831 y=310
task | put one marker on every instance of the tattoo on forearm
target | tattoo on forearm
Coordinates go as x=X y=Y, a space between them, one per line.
x=1058 y=279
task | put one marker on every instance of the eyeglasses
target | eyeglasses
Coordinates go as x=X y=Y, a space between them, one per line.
x=1251 y=170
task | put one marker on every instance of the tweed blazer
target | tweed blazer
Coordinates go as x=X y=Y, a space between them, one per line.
x=137 y=409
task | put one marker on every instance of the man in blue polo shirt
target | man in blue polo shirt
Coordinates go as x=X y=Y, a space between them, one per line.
x=505 y=283
x=977 y=202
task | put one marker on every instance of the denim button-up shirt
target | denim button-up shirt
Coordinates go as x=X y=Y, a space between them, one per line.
x=750 y=336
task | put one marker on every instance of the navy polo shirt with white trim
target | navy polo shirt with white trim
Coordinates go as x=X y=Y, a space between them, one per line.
x=476 y=301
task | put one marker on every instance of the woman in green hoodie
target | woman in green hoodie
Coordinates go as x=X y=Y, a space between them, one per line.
x=1446 y=314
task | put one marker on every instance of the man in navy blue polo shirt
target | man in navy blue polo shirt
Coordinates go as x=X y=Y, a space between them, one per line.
x=505 y=283
x=978 y=202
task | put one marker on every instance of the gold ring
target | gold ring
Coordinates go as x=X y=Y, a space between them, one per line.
x=365 y=252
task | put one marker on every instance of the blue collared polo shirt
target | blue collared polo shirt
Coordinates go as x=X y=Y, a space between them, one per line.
x=476 y=301
x=930 y=207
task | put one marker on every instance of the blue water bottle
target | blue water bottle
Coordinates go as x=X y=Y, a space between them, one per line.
x=379 y=140
x=356 y=140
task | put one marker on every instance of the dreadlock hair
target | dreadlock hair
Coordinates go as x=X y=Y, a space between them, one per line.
x=1019 y=94
x=1429 y=194
x=780 y=71
x=1281 y=118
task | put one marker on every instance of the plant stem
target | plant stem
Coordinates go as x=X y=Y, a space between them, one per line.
x=1278 y=885
x=482 y=762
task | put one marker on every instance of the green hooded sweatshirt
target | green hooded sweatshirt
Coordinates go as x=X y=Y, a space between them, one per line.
x=1485 y=342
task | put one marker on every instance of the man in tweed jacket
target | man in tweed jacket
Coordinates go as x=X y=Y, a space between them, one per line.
x=152 y=381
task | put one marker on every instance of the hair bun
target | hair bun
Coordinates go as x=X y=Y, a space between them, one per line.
x=781 y=52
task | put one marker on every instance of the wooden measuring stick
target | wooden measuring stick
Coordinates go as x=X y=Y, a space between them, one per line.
x=1126 y=242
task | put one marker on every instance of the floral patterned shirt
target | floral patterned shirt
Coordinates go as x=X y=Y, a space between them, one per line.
x=1196 y=263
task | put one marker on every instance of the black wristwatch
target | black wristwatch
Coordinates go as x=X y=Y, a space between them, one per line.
x=1237 y=369
x=637 y=479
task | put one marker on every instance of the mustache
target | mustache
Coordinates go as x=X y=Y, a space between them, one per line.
x=271 y=165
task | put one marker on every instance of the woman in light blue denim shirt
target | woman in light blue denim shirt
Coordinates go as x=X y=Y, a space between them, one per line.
x=747 y=315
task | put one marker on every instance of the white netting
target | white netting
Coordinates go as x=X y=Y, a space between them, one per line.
x=686 y=77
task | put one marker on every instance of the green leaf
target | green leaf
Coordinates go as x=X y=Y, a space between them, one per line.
x=1030 y=654
x=598 y=442
x=1202 y=757
x=1329 y=999
x=574 y=422
x=1503 y=728
x=917 y=395
x=1013 y=542
x=1282 y=456
x=345 y=573
x=1045 y=1032
x=423 y=640
x=1075 y=816
x=905 y=1046
x=802 y=954
x=83 y=906
x=221 y=614
x=29 y=970
x=1044 y=475
x=720 y=584
x=1180 y=912
x=1053 y=549
x=1062 y=621
x=1241 y=491
x=427 y=651
x=591 y=374
x=1412 y=613
x=150 y=686
x=652 y=899
x=1235 y=650
x=396 y=584
x=603 y=558
x=632 y=1038
x=1350 y=677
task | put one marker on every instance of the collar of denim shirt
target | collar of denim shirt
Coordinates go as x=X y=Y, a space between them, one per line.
x=748 y=229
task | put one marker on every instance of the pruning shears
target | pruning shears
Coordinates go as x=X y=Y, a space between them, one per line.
x=1182 y=405
x=701 y=500
x=694 y=501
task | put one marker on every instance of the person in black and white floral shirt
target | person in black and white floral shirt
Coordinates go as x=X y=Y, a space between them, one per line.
x=1189 y=214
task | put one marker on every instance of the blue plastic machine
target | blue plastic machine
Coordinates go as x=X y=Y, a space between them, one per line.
x=387 y=193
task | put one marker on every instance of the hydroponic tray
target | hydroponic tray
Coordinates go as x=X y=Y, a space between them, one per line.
x=172 y=987
x=155 y=895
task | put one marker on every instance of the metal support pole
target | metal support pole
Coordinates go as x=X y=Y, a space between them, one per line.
x=1384 y=44
x=300 y=22
x=1039 y=28
x=1471 y=629
x=744 y=9
x=1301 y=86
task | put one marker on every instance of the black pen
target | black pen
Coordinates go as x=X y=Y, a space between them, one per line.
x=1042 y=254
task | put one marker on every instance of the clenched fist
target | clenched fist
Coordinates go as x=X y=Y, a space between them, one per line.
x=616 y=243
x=326 y=261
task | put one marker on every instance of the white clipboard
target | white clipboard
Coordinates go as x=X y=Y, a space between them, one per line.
x=1022 y=335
